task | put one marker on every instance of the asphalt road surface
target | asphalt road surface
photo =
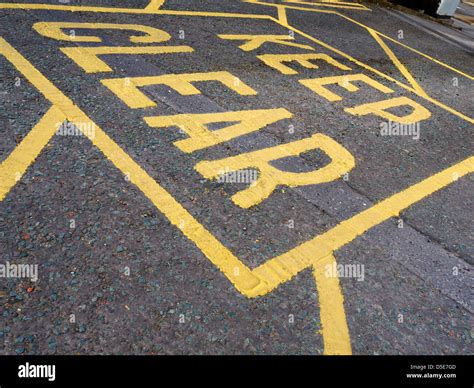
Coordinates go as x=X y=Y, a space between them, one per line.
x=227 y=177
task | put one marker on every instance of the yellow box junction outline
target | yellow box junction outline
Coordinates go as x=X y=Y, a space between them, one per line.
x=316 y=253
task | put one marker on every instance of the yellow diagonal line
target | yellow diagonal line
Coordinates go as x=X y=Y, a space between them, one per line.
x=16 y=164
x=379 y=73
x=71 y=8
x=332 y=315
x=282 y=268
x=77 y=8
x=437 y=61
x=351 y=6
x=334 y=327
x=282 y=15
x=154 y=5
x=400 y=66
x=277 y=270
x=340 y=2
x=406 y=46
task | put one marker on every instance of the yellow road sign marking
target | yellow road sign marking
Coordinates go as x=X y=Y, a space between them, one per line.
x=200 y=137
x=70 y=8
x=154 y=5
x=269 y=275
x=336 y=336
x=16 y=164
x=127 y=89
x=256 y=41
x=317 y=85
x=53 y=30
x=383 y=75
x=398 y=64
x=381 y=109
x=282 y=15
x=276 y=61
x=331 y=4
x=270 y=177
x=272 y=273
x=88 y=57
x=437 y=61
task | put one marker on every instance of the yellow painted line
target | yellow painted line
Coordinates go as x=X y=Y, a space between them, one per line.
x=381 y=74
x=276 y=271
x=284 y=267
x=407 y=47
x=332 y=5
x=88 y=57
x=282 y=15
x=439 y=62
x=263 y=279
x=269 y=275
x=75 y=8
x=341 y=2
x=52 y=7
x=16 y=164
x=352 y=6
x=332 y=315
x=72 y=8
x=177 y=215
x=154 y=5
x=406 y=73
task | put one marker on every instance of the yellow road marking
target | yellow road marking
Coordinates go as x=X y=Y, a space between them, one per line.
x=398 y=64
x=88 y=57
x=255 y=41
x=383 y=75
x=274 y=272
x=53 y=30
x=382 y=109
x=282 y=15
x=344 y=81
x=16 y=164
x=276 y=61
x=269 y=275
x=407 y=47
x=437 y=61
x=282 y=268
x=199 y=136
x=270 y=177
x=331 y=305
x=127 y=89
x=78 y=8
x=277 y=270
x=55 y=7
x=331 y=4
x=154 y=5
